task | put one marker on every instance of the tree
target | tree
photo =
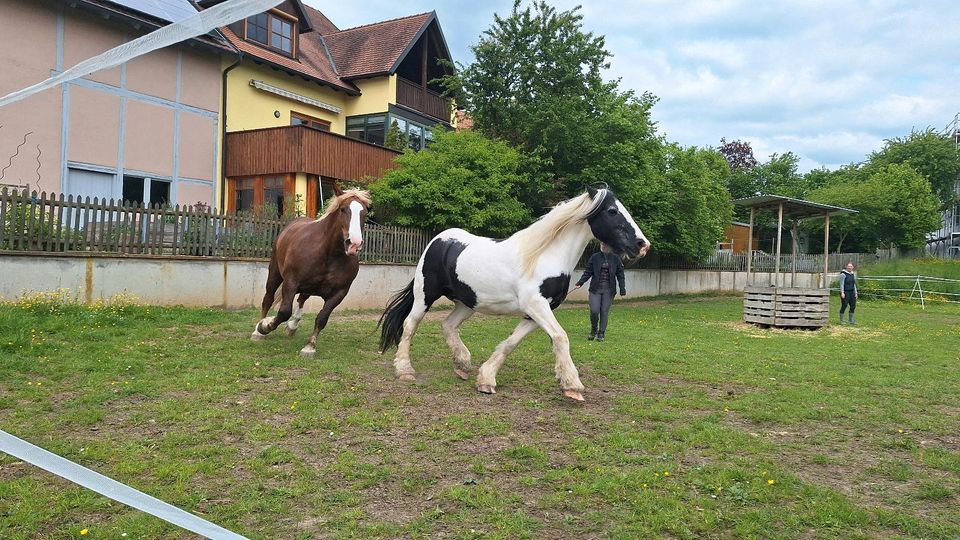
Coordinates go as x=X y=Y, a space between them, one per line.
x=463 y=179
x=536 y=82
x=739 y=154
x=933 y=155
x=693 y=210
x=895 y=207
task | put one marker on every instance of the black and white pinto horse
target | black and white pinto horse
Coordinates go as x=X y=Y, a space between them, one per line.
x=527 y=274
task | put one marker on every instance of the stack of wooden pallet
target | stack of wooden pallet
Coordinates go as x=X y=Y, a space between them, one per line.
x=790 y=307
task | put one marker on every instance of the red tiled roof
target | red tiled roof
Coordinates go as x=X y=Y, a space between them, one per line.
x=332 y=56
x=320 y=22
x=373 y=48
x=313 y=60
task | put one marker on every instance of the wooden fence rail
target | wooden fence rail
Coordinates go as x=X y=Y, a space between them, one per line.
x=58 y=223
x=42 y=222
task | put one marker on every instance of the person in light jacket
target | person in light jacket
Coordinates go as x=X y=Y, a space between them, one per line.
x=848 y=291
x=604 y=270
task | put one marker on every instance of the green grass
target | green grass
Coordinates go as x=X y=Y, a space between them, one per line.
x=696 y=426
x=924 y=266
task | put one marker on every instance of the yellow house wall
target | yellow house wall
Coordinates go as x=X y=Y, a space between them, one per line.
x=376 y=95
x=301 y=190
x=250 y=108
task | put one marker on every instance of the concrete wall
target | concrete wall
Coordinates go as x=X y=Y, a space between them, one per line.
x=195 y=281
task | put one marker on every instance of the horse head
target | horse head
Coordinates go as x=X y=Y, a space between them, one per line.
x=350 y=213
x=613 y=225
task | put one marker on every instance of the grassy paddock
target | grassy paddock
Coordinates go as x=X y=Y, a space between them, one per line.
x=695 y=426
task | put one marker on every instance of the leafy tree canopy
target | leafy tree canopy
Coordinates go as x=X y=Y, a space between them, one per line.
x=461 y=180
x=933 y=155
x=895 y=207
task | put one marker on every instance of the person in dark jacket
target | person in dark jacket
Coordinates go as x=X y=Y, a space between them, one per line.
x=848 y=291
x=604 y=270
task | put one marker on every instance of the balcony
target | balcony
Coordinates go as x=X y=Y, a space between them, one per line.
x=292 y=149
x=424 y=100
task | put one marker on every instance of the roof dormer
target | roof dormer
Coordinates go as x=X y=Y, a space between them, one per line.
x=277 y=30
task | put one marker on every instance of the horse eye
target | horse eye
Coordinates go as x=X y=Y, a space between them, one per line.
x=612 y=211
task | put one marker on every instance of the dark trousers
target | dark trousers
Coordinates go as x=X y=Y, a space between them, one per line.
x=600 y=302
x=850 y=300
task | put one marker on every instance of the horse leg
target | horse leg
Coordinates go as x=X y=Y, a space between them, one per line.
x=565 y=370
x=268 y=324
x=329 y=304
x=451 y=331
x=401 y=363
x=487 y=375
x=274 y=280
x=294 y=321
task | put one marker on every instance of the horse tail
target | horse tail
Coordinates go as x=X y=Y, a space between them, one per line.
x=391 y=322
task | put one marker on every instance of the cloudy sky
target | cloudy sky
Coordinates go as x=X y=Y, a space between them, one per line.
x=827 y=80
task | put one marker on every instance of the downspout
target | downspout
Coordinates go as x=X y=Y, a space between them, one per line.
x=223 y=124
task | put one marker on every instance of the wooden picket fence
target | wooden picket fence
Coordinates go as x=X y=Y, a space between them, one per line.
x=58 y=223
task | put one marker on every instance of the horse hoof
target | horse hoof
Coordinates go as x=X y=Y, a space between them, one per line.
x=461 y=373
x=486 y=389
x=407 y=377
x=308 y=353
x=290 y=332
x=257 y=336
x=573 y=394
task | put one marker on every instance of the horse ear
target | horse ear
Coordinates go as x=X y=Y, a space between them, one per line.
x=592 y=191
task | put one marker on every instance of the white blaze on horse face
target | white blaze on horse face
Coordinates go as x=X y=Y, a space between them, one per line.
x=356 y=237
x=636 y=228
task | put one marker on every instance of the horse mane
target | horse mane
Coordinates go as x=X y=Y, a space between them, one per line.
x=533 y=240
x=337 y=202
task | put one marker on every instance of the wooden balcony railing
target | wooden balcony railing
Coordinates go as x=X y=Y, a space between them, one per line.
x=303 y=149
x=430 y=103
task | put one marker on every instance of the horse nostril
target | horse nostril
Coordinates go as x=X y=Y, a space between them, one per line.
x=641 y=242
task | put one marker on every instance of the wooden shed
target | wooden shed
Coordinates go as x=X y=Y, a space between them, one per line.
x=772 y=304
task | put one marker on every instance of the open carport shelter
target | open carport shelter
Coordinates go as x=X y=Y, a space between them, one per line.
x=773 y=304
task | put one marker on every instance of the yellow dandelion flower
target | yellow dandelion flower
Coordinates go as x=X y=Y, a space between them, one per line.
x=644 y=485
x=666 y=473
x=84 y=532
x=899 y=431
x=771 y=481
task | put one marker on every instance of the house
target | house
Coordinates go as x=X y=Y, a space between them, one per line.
x=945 y=241
x=145 y=131
x=309 y=105
x=736 y=236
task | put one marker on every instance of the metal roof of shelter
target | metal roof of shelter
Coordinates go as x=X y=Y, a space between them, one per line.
x=792 y=208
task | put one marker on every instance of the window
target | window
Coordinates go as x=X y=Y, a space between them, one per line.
x=147 y=191
x=371 y=129
x=415 y=137
x=367 y=128
x=257 y=28
x=274 y=31
x=133 y=189
x=299 y=119
x=273 y=195
x=243 y=189
x=267 y=196
x=159 y=192
x=281 y=35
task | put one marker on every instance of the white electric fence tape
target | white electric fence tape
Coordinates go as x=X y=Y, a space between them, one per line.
x=83 y=476
x=193 y=26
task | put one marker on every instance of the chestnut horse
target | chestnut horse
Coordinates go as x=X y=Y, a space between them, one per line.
x=314 y=257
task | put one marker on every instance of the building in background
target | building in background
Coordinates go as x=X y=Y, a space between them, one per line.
x=146 y=131
x=945 y=242
x=309 y=106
